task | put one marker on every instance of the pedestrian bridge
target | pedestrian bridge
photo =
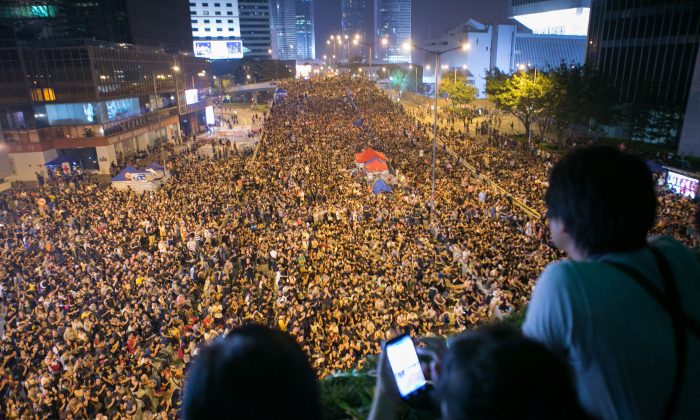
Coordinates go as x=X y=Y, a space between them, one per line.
x=252 y=87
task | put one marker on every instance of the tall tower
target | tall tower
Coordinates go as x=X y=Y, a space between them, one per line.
x=255 y=27
x=357 y=16
x=648 y=50
x=156 y=23
x=392 y=20
x=306 y=40
x=284 y=33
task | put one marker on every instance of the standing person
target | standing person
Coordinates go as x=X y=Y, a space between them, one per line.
x=623 y=309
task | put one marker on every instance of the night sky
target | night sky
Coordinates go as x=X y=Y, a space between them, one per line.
x=431 y=18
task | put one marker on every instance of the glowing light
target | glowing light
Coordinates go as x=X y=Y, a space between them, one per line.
x=572 y=21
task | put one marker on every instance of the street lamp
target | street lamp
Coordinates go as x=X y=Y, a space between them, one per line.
x=410 y=66
x=385 y=42
x=357 y=41
x=437 y=53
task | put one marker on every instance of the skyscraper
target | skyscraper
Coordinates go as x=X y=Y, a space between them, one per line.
x=283 y=15
x=154 y=23
x=255 y=27
x=306 y=40
x=357 y=18
x=293 y=29
x=648 y=50
x=392 y=20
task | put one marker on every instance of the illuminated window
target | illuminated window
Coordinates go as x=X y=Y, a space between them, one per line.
x=43 y=95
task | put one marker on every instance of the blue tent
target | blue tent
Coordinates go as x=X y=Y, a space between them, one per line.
x=380 y=186
x=155 y=166
x=60 y=160
x=121 y=176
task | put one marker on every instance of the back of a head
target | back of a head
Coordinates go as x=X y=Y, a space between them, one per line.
x=497 y=373
x=253 y=373
x=605 y=198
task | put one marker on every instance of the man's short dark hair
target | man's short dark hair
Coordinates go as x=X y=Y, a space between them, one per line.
x=253 y=373
x=604 y=197
x=496 y=372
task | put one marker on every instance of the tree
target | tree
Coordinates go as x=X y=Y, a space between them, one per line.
x=521 y=94
x=399 y=81
x=459 y=92
x=577 y=96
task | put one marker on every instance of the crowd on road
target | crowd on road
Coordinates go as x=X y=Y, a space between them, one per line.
x=108 y=294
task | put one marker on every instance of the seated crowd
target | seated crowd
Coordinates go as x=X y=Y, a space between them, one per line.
x=110 y=294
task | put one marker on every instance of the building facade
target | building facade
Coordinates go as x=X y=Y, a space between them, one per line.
x=552 y=17
x=155 y=23
x=283 y=16
x=392 y=21
x=690 y=135
x=305 y=37
x=648 y=50
x=215 y=20
x=505 y=47
x=293 y=35
x=96 y=102
x=255 y=28
x=357 y=19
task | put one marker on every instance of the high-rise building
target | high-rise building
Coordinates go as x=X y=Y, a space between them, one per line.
x=255 y=28
x=306 y=40
x=155 y=23
x=357 y=16
x=392 y=20
x=283 y=17
x=293 y=29
x=648 y=50
x=97 y=81
x=552 y=17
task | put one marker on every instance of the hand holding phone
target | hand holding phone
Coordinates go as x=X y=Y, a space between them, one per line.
x=405 y=366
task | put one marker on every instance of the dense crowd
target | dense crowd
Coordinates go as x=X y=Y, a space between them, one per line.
x=109 y=294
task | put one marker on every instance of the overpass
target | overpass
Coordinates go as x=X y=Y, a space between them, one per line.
x=253 y=87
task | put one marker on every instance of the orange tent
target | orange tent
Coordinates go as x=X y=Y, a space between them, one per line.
x=376 y=165
x=369 y=154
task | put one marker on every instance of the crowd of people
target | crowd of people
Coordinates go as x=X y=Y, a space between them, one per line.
x=109 y=294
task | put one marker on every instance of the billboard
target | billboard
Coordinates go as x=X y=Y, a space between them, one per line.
x=191 y=96
x=682 y=184
x=218 y=50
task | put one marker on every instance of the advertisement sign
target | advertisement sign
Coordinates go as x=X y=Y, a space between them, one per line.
x=191 y=96
x=218 y=50
x=210 y=115
x=682 y=184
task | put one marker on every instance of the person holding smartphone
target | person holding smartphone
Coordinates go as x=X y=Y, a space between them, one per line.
x=493 y=372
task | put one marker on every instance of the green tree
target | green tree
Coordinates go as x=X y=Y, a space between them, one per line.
x=577 y=96
x=399 y=81
x=459 y=92
x=521 y=94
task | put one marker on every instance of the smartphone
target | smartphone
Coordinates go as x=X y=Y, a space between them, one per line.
x=405 y=365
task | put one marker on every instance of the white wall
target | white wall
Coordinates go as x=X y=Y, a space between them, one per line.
x=26 y=164
x=105 y=152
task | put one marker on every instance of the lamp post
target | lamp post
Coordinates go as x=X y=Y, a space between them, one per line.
x=384 y=43
x=437 y=53
x=410 y=66
x=357 y=41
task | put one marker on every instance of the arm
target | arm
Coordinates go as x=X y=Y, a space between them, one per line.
x=550 y=315
x=386 y=396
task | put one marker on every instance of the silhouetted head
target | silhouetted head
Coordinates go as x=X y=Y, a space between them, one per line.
x=253 y=373
x=497 y=373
